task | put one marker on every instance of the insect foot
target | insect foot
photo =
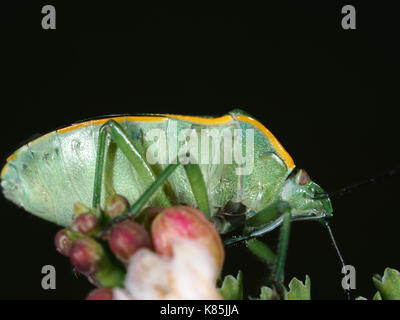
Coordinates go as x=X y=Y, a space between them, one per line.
x=189 y=223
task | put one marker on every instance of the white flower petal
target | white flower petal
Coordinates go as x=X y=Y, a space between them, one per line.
x=190 y=274
x=120 y=294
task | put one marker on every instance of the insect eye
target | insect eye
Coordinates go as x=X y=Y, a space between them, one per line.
x=303 y=178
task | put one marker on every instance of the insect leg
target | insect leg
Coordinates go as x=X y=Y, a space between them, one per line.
x=262 y=252
x=282 y=210
x=138 y=205
x=279 y=267
x=124 y=142
x=198 y=186
x=278 y=272
x=270 y=218
x=99 y=166
x=254 y=234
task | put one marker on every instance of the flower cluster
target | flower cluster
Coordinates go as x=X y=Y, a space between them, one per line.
x=172 y=253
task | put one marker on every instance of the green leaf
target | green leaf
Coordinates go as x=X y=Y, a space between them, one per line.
x=266 y=293
x=388 y=285
x=232 y=288
x=377 y=296
x=298 y=290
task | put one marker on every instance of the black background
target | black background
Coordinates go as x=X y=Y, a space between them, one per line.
x=329 y=95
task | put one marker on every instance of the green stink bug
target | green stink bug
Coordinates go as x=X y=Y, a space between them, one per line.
x=89 y=161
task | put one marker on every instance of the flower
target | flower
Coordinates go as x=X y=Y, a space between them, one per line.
x=115 y=206
x=85 y=223
x=85 y=255
x=189 y=223
x=126 y=238
x=190 y=273
x=100 y=294
x=63 y=242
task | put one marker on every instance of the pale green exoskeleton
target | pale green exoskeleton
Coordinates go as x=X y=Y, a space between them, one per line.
x=231 y=167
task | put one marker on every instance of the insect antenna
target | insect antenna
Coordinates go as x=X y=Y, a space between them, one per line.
x=348 y=189
x=327 y=226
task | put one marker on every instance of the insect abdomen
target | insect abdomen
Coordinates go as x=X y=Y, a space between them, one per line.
x=48 y=175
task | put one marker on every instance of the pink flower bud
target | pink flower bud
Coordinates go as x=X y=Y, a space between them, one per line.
x=85 y=223
x=80 y=208
x=85 y=255
x=186 y=222
x=62 y=242
x=100 y=294
x=116 y=205
x=126 y=238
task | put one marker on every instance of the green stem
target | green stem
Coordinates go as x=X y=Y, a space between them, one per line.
x=109 y=275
